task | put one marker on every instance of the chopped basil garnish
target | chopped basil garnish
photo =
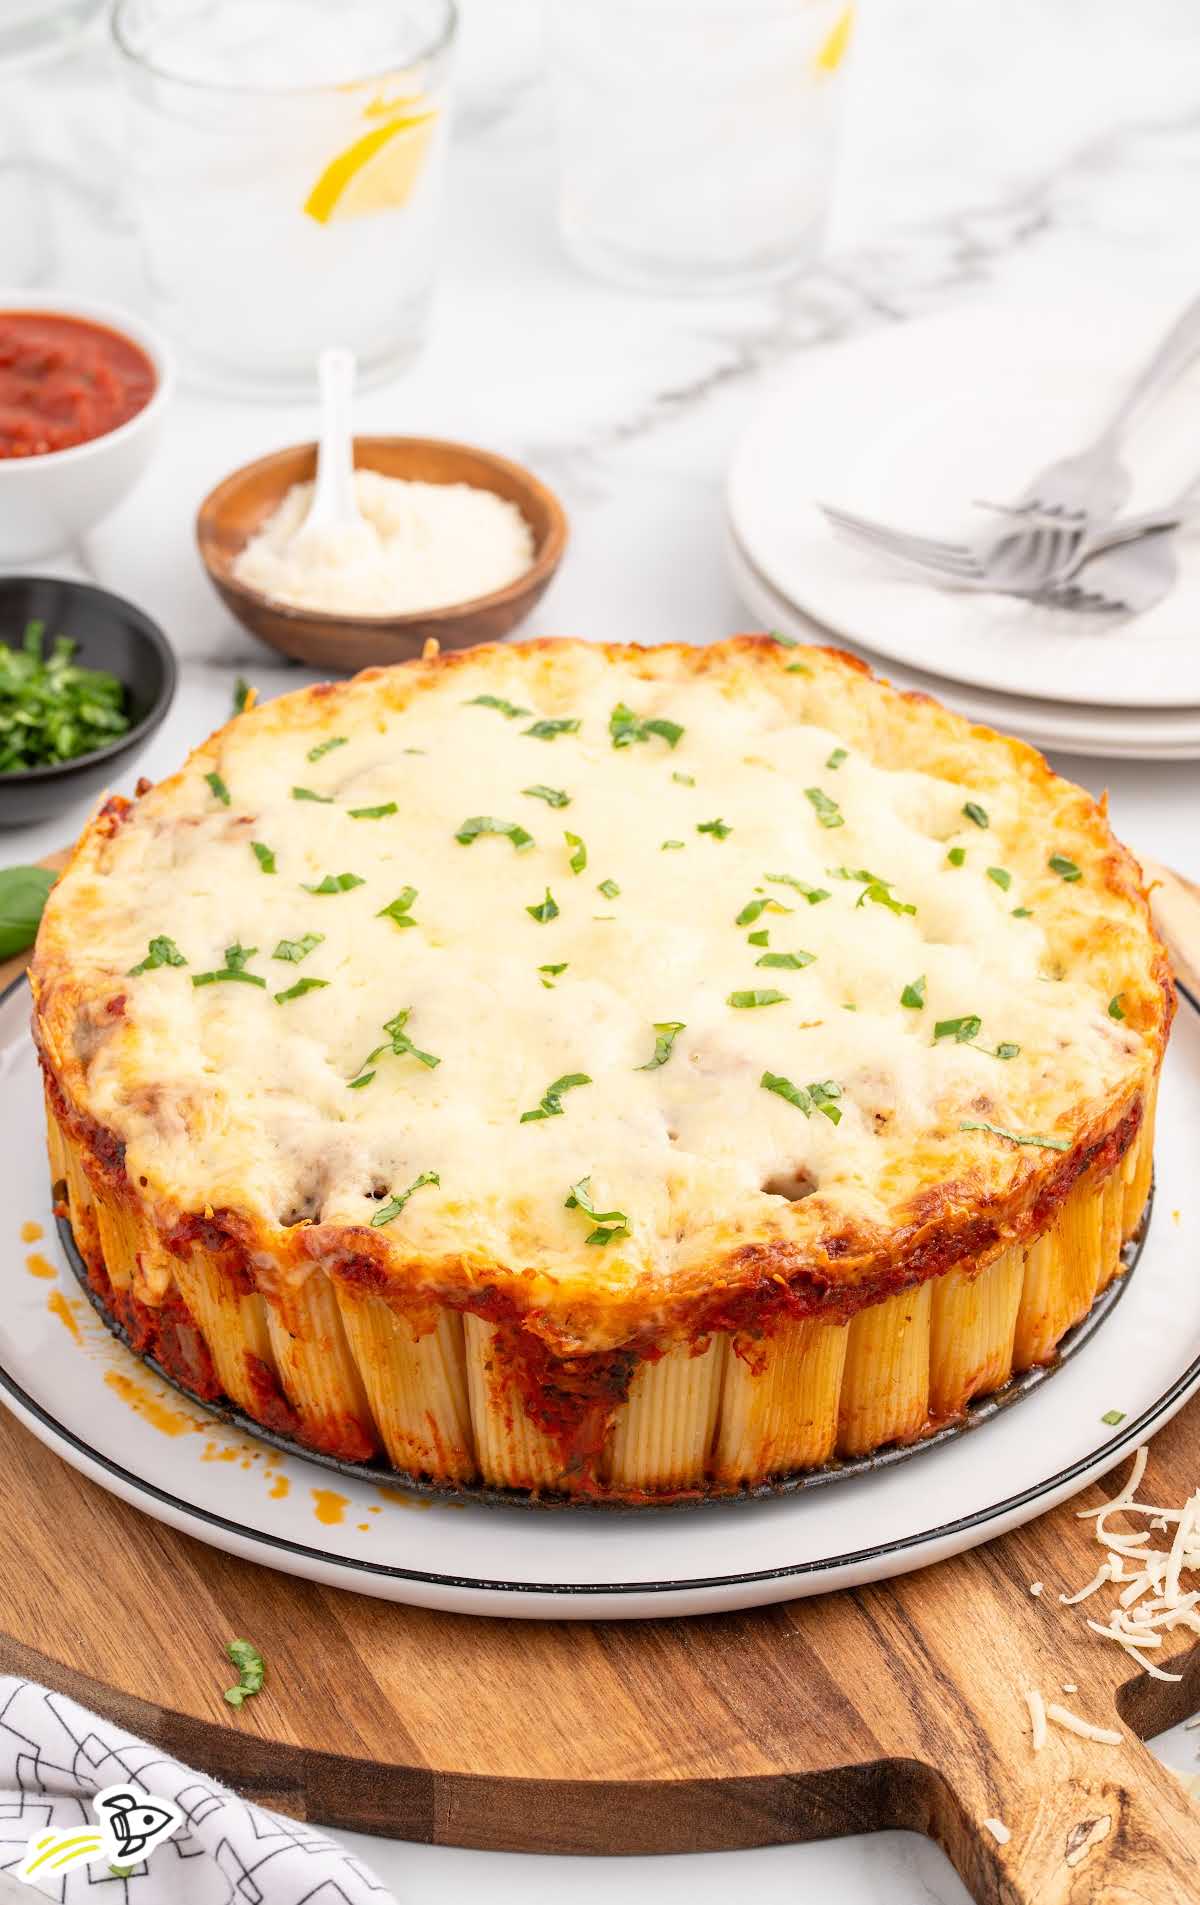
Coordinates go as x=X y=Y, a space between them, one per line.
x=326 y=747
x=549 y=730
x=962 y=1031
x=784 y=641
x=545 y=910
x=875 y=888
x=792 y=961
x=218 y=787
x=399 y=1043
x=754 y=909
x=299 y=989
x=294 y=950
x=551 y=1104
x=837 y=757
x=1066 y=869
x=164 y=952
x=554 y=972
x=827 y=811
x=813 y=894
x=356 y=1084
x=387 y=1212
x=1006 y=1050
x=610 y=1224
x=264 y=856
x=236 y=959
x=1016 y=1137
x=553 y=796
x=578 y=859
x=397 y=910
x=1115 y=1009
x=374 y=813
x=975 y=812
x=335 y=883
x=666 y=1034
x=913 y=995
x=761 y=938
x=797 y=668
x=956 y=856
x=672 y=846
x=307 y=793
x=762 y=995
x=625 y=727
x=1001 y=876
x=719 y=829
x=244 y=696
x=249 y=1663
x=1112 y=1417
x=1021 y=912
x=480 y=824
x=806 y=1098
x=507 y=708
x=610 y=889
x=685 y=780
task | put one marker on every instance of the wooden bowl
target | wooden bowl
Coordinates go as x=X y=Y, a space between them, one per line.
x=237 y=508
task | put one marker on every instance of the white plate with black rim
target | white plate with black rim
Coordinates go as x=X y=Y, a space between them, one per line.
x=85 y=1396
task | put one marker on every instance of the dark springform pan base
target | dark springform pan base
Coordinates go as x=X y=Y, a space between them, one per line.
x=976 y=1414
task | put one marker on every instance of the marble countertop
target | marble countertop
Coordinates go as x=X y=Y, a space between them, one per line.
x=1024 y=151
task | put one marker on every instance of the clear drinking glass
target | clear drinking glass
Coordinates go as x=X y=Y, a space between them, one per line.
x=697 y=137
x=285 y=160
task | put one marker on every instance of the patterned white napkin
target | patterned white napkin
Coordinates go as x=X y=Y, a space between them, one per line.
x=55 y=1756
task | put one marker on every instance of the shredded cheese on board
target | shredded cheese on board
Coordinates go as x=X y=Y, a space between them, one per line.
x=1152 y=1601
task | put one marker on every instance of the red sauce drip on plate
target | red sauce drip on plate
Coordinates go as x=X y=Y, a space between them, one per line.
x=64 y=380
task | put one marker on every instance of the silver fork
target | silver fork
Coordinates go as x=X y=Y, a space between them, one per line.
x=1132 y=565
x=1061 y=505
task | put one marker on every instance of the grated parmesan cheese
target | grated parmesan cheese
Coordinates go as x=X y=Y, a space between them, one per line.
x=1068 y=1686
x=1035 y=1588
x=1152 y=1601
x=1062 y=1716
x=1037 y=1717
x=998 y=1830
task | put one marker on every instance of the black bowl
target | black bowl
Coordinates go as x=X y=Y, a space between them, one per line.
x=110 y=633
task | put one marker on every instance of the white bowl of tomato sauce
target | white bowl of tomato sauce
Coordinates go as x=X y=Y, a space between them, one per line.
x=84 y=387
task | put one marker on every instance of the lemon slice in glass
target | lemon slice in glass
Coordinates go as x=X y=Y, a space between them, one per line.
x=375 y=174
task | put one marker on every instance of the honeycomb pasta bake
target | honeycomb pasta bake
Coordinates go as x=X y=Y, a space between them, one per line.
x=605 y=1072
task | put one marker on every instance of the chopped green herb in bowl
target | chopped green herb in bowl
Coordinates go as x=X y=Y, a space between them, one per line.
x=51 y=709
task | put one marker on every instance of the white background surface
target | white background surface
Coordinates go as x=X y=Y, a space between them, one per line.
x=1027 y=150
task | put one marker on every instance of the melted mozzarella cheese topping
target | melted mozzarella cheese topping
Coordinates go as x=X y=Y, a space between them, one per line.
x=225 y=1096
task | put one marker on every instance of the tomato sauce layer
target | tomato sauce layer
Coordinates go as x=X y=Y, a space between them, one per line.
x=64 y=381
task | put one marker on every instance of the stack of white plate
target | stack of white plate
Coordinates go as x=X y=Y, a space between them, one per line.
x=911 y=425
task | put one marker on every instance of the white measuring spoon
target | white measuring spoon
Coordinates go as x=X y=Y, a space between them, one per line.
x=333 y=503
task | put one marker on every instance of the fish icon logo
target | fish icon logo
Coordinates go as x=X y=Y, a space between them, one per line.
x=132 y=1824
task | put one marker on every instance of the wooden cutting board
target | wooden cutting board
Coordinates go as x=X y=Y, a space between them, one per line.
x=900 y=1704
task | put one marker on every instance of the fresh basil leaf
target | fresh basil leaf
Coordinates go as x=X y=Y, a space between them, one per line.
x=1066 y=869
x=299 y=989
x=295 y=950
x=813 y=894
x=480 y=824
x=836 y=757
x=610 y=889
x=244 y=696
x=335 y=883
x=962 y=1031
x=389 y=1211
x=553 y=796
x=762 y=995
x=1016 y=1137
x=547 y=730
x=508 y=709
x=578 y=858
x=1115 y=1009
x=913 y=995
x=23 y=895
x=218 y=787
x=664 y=1043
x=264 y=856
x=975 y=812
x=326 y=747
x=828 y=812
x=1001 y=876
x=545 y=910
x=719 y=829
x=956 y=856
x=789 y=961
x=625 y=727
x=160 y=952
x=307 y=793
x=374 y=813
x=397 y=910
x=610 y=1224
x=551 y=1103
